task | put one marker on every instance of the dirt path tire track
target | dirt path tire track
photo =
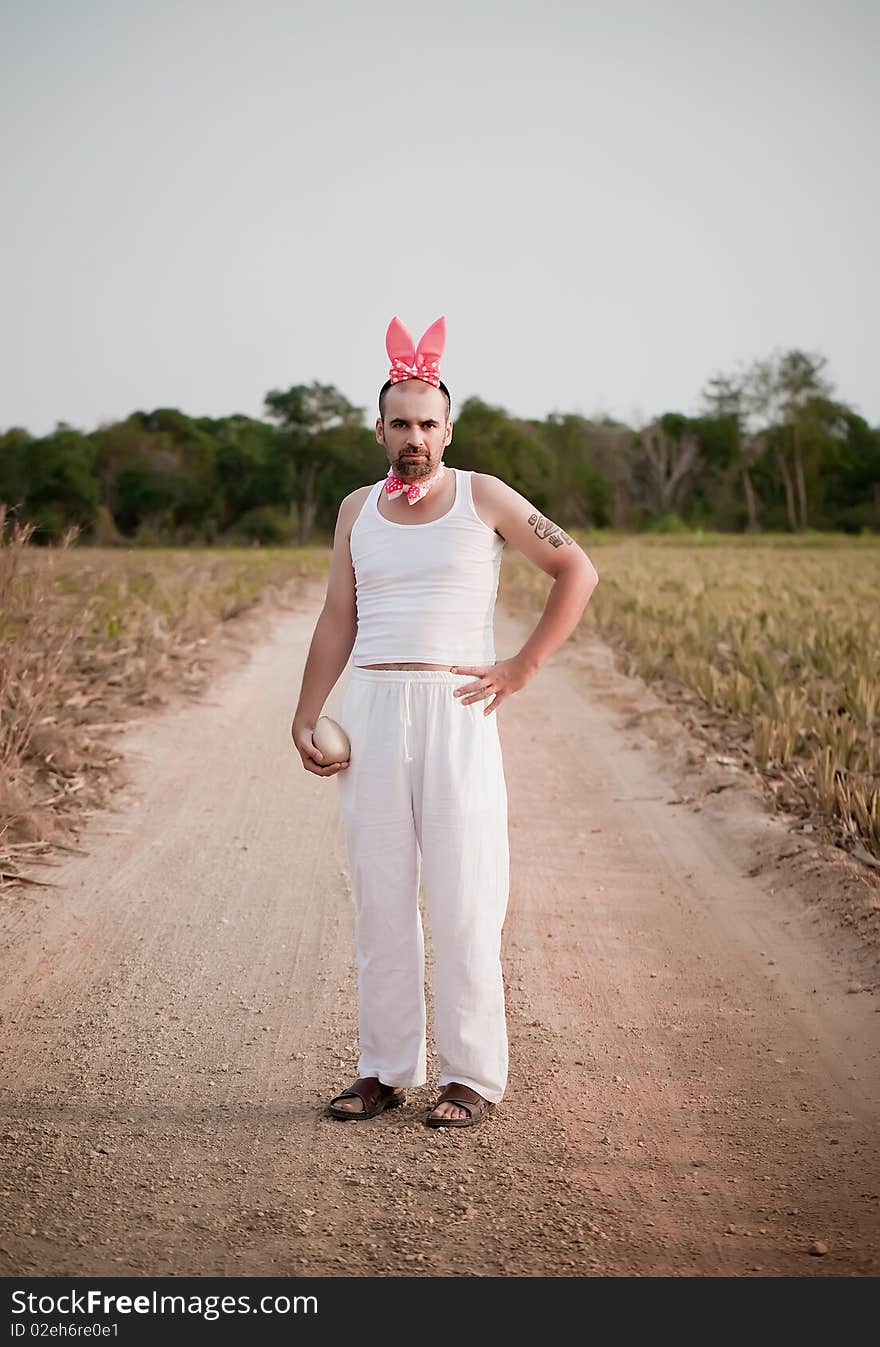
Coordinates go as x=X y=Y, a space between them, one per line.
x=695 y=1083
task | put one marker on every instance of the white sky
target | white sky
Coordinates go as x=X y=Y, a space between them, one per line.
x=204 y=200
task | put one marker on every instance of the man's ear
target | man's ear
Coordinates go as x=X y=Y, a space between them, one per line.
x=448 y=439
x=380 y=430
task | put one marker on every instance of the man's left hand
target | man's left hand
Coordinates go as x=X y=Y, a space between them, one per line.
x=498 y=681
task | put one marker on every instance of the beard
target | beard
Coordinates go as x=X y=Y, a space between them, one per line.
x=413 y=469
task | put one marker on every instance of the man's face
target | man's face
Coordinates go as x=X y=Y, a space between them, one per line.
x=415 y=431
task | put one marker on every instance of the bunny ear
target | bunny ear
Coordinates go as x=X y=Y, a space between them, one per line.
x=399 y=343
x=433 y=343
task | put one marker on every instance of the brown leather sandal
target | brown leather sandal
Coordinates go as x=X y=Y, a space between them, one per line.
x=376 y=1096
x=477 y=1107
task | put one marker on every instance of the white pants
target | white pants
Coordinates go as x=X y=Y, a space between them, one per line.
x=425 y=798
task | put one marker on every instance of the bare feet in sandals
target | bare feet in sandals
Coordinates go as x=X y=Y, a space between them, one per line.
x=364 y=1099
x=458 y=1106
x=448 y=1111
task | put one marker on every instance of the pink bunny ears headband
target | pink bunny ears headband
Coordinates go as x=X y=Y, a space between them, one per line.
x=415 y=362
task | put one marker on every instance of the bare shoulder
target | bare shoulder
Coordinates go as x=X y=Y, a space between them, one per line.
x=524 y=525
x=359 y=492
x=487 y=498
x=356 y=497
x=341 y=591
x=350 y=507
x=494 y=500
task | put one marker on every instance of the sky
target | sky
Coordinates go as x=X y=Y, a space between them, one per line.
x=610 y=203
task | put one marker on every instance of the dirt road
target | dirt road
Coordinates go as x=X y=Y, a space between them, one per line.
x=695 y=1080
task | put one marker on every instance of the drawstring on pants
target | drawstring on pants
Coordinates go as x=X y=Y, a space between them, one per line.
x=407 y=720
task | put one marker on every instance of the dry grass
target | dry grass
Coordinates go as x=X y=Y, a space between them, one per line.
x=89 y=638
x=778 y=639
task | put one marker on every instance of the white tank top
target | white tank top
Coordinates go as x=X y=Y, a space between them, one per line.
x=425 y=592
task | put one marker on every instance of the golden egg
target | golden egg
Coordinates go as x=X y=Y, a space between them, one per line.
x=331 y=740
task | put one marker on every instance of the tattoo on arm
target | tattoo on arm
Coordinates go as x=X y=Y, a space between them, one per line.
x=545 y=528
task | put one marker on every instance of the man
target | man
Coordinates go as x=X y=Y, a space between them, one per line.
x=412 y=585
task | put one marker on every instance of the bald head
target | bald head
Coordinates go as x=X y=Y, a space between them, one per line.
x=438 y=399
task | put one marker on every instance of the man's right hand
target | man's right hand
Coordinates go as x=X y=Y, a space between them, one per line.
x=311 y=756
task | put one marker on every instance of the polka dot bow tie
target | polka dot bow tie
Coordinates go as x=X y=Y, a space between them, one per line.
x=415 y=362
x=414 y=490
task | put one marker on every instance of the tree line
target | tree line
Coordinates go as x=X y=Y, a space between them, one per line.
x=771 y=449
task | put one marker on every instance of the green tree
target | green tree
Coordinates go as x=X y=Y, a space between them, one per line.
x=14 y=445
x=249 y=468
x=486 y=439
x=156 y=469
x=62 y=487
x=669 y=463
x=853 y=487
x=724 y=397
x=583 y=491
x=305 y=413
x=192 y=479
x=356 y=459
x=842 y=455
x=781 y=395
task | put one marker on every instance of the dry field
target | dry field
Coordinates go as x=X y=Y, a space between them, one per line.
x=92 y=636
x=774 y=641
x=770 y=647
